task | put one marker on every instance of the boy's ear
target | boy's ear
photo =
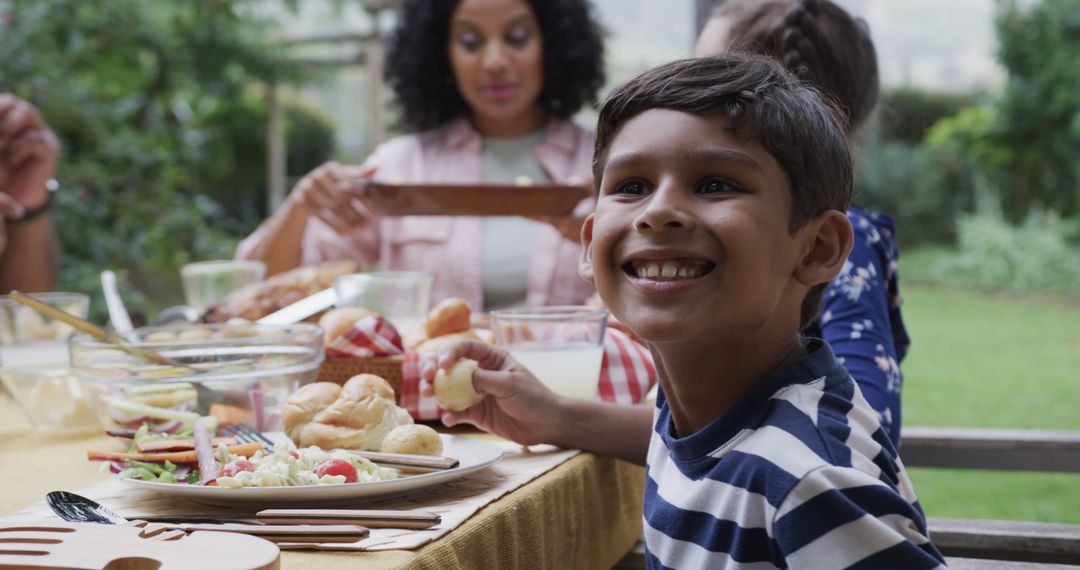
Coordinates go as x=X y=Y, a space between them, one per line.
x=829 y=243
x=585 y=265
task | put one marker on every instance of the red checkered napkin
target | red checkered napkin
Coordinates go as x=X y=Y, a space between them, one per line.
x=628 y=371
x=369 y=336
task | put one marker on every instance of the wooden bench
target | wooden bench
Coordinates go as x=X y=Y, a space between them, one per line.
x=1001 y=449
x=972 y=544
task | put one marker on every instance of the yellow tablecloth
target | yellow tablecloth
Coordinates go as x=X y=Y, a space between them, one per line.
x=585 y=513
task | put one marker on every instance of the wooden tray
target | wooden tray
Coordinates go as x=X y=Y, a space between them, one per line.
x=89 y=545
x=338 y=369
x=474 y=199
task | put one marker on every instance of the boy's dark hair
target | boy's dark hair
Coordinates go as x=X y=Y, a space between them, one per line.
x=761 y=102
x=816 y=40
x=418 y=65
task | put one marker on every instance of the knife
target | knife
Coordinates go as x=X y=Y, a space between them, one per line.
x=301 y=309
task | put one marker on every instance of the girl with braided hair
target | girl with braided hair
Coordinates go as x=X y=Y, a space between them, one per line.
x=824 y=45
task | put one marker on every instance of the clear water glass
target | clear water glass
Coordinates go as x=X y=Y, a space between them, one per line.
x=562 y=345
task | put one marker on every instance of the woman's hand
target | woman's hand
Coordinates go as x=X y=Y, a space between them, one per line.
x=516 y=407
x=29 y=151
x=570 y=226
x=332 y=193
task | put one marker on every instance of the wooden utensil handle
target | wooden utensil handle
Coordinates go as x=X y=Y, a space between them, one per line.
x=427 y=461
x=321 y=531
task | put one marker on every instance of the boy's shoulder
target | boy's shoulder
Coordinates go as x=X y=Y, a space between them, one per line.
x=809 y=417
x=786 y=476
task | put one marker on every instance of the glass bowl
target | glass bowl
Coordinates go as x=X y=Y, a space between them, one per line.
x=50 y=396
x=233 y=372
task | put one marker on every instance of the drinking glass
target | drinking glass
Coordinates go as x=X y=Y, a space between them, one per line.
x=402 y=297
x=206 y=282
x=33 y=362
x=562 y=345
x=28 y=338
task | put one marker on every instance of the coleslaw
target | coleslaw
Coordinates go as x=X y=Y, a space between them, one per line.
x=284 y=467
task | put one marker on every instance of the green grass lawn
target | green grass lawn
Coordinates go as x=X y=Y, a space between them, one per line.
x=982 y=360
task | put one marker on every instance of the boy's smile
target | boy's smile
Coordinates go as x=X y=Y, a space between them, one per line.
x=691 y=233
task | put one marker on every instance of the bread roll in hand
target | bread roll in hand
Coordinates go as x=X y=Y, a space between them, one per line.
x=357 y=415
x=413 y=439
x=454 y=389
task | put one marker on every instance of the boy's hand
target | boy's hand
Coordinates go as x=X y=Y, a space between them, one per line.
x=517 y=406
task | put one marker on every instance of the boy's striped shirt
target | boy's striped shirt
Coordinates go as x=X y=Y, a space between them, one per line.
x=798 y=474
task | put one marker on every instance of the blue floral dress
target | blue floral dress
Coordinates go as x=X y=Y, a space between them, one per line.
x=860 y=316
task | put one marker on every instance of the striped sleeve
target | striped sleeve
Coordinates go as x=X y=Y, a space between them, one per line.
x=839 y=517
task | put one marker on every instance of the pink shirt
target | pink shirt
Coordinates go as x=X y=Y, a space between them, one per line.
x=449 y=247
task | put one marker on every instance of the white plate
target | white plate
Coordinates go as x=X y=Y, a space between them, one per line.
x=473 y=455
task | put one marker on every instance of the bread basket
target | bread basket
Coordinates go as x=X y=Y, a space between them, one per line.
x=338 y=369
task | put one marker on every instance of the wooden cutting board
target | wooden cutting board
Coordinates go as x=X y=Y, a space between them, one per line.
x=87 y=545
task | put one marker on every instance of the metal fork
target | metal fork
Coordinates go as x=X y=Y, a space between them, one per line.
x=246 y=433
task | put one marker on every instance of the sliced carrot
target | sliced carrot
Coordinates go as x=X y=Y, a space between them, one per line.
x=226 y=414
x=245 y=450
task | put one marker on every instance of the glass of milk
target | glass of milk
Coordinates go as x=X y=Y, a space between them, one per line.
x=563 y=345
x=402 y=297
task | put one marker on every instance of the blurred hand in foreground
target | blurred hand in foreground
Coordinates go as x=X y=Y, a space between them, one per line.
x=29 y=151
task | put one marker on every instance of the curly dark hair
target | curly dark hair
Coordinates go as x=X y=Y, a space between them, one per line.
x=418 y=66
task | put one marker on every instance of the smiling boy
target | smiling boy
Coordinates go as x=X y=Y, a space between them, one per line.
x=722 y=185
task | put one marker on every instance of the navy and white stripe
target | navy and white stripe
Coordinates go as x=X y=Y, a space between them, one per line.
x=798 y=474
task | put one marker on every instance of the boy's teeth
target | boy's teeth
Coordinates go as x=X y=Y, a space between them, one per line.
x=666 y=271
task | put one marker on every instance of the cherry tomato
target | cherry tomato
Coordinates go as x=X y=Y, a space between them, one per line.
x=294 y=455
x=233 y=467
x=337 y=467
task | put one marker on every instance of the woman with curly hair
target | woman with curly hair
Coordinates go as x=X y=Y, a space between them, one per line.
x=486 y=89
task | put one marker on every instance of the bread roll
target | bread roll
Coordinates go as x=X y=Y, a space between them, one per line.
x=304 y=403
x=450 y=316
x=357 y=415
x=454 y=389
x=414 y=439
x=338 y=321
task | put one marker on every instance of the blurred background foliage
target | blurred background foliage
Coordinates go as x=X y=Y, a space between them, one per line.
x=161 y=112
x=990 y=181
x=161 y=109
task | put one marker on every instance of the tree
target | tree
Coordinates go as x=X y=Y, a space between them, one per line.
x=136 y=91
x=1039 y=111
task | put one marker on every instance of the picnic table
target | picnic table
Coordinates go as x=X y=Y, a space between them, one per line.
x=584 y=513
